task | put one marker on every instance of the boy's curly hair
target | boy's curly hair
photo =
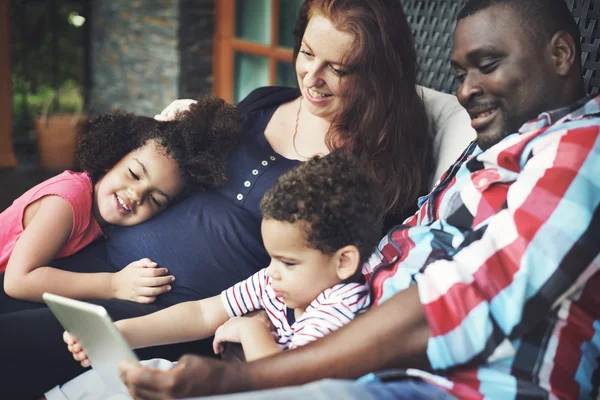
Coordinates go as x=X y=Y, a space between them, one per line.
x=199 y=140
x=337 y=200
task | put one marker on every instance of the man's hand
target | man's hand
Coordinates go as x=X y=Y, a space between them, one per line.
x=141 y=281
x=191 y=376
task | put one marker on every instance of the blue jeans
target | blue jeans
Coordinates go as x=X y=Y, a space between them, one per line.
x=347 y=389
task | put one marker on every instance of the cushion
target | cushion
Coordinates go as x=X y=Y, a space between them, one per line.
x=451 y=126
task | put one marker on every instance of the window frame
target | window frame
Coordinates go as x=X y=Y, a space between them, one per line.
x=226 y=44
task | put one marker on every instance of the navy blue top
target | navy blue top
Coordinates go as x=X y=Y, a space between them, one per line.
x=212 y=240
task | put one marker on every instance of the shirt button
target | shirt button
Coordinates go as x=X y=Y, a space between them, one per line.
x=254 y=172
x=247 y=183
x=272 y=158
x=264 y=163
x=240 y=196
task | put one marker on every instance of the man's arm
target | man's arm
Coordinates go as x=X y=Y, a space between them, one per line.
x=393 y=335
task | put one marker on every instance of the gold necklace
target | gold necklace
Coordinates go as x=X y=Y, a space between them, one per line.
x=296 y=133
x=296 y=130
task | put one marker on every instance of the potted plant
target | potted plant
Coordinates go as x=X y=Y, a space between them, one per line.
x=56 y=131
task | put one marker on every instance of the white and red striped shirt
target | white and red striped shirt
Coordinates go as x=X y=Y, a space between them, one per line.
x=333 y=308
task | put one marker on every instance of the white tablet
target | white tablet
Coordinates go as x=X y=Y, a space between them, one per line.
x=102 y=341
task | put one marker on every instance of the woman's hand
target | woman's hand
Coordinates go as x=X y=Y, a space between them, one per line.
x=75 y=348
x=141 y=281
x=170 y=112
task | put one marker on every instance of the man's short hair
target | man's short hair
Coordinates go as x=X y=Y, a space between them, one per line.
x=541 y=19
x=337 y=202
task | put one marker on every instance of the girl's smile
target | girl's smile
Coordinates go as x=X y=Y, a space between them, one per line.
x=138 y=187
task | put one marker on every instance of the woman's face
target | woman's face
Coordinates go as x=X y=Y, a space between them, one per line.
x=320 y=69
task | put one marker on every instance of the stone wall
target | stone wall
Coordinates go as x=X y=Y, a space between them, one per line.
x=196 y=27
x=146 y=53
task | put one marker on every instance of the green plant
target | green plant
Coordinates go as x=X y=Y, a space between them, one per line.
x=68 y=99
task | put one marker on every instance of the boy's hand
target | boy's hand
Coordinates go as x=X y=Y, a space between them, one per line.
x=171 y=111
x=232 y=331
x=141 y=281
x=75 y=348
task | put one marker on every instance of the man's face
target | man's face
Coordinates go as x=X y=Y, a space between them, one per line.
x=505 y=77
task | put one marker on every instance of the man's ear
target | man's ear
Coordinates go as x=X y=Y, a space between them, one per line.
x=348 y=261
x=563 y=52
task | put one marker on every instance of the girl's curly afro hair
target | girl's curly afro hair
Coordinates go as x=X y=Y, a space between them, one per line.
x=199 y=140
x=338 y=202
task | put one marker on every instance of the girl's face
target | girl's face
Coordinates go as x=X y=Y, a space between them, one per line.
x=138 y=187
x=299 y=273
x=319 y=66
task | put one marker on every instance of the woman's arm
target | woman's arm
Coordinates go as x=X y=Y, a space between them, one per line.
x=28 y=275
x=182 y=322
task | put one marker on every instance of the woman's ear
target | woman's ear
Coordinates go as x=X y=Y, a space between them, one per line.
x=348 y=261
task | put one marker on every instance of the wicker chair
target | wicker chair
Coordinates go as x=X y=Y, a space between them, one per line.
x=433 y=23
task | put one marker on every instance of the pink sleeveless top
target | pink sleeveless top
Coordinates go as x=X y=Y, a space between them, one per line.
x=74 y=187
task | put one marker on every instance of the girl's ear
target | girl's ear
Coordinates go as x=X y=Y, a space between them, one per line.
x=348 y=262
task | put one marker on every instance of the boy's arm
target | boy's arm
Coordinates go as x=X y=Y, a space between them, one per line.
x=28 y=275
x=182 y=322
x=253 y=334
x=258 y=341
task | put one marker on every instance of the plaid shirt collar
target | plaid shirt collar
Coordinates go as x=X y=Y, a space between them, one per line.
x=547 y=118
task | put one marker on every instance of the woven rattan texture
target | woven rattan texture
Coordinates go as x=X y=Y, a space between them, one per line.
x=587 y=15
x=433 y=22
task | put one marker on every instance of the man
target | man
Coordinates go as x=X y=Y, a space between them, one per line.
x=493 y=284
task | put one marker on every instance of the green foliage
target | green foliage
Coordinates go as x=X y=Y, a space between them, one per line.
x=39 y=64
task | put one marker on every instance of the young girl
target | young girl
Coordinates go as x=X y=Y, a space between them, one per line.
x=134 y=167
x=321 y=222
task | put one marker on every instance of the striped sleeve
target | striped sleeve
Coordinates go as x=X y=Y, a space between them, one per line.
x=245 y=296
x=540 y=247
x=333 y=308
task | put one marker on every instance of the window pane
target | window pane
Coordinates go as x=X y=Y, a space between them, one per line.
x=250 y=72
x=286 y=75
x=253 y=20
x=288 y=13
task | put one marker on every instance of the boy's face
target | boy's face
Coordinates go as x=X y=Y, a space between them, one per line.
x=137 y=188
x=299 y=273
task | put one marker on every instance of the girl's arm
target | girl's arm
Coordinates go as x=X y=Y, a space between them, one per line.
x=28 y=275
x=182 y=322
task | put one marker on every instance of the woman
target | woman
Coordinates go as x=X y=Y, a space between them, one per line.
x=356 y=67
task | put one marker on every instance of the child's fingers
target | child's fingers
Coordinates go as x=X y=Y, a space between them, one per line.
x=67 y=338
x=144 y=263
x=75 y=348
x=144 y=299
x=153 y=272
x=217 y=346
x=82 y=358
x=152 y=290
x=155 y=281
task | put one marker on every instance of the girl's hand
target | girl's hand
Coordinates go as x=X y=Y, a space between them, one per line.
x=169 y=113
x=141 y=281
x=75 y=348
x=233 y=330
